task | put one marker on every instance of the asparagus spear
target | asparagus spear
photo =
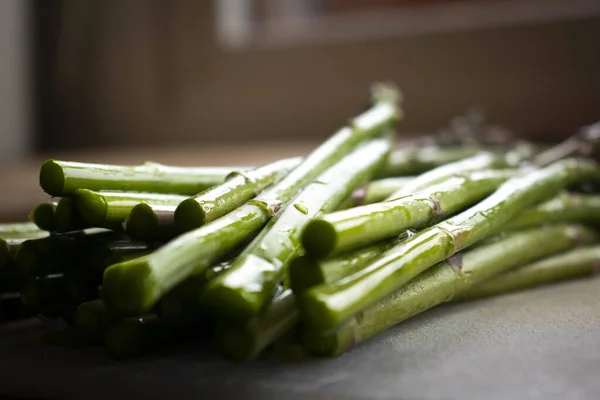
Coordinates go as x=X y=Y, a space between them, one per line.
x=567 y=207
x=151 y=222
x=239 y=187
x=327 y=306
x=442 y=282
x=306 y=271
x=576 y=263
x=94 y=317
x=63 y=178
x=43 y=216
x=250 y=283
x=67 y=216
x=412 y=161
x=134 y=287
x=110 y=209
x=18 y=229
x=243 y=340
x=582 y=144
x=480 y=162
x=374 y=191
x=357 y=227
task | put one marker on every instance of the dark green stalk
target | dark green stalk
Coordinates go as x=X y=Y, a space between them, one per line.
x=43 y=216
x=110 y=209
x=413 y=161
x=326 y=306
x=151 y=222
x=238 y=188
x=567 y=207
x=306 y=271
x=574 y=264
x=250 y=283
x=480 y=162
x=63 y=178
x=445 y=280
x=351 y=229
x=134 y=287
x=94 y=317
x=243 y=340
x=67 y=216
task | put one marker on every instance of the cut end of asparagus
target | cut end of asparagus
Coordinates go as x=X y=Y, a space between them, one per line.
x=141 y=223
x=235 y=344
x=127 y=287
x=92 y=208
x=43 y=216
x=52 y=178
x=189 y=215
x=319 y=238
x=304 y=274
x=327 y=344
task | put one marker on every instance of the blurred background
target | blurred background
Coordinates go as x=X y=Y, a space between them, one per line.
x=198 y=82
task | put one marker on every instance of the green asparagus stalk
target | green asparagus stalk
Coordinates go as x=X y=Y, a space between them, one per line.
x=567 y=207
x=243 y=340
x=327 y=306
x=306 y=271
x=63 y=178
x=67 y=216
x=134 y=287
x=245 y=288
x=43 y=216
x=19 y=229
x=151 y=222
x=376 y=191
x=444 y=281
x=574 y=264
x=413 y=161
x=351 y=229
x=110 y=209
x=480 y=162
x=239 y=187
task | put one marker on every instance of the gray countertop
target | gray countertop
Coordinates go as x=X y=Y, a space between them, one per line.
x=539 y=344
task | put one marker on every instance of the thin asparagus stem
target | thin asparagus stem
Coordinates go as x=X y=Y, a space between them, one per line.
x=567 y=207
x=480 y=162
x=63 y=178
x=351 y=229
x=110 y=209
x=413 y=161
x=238 y=188
x=250 y=283
x=580 y=144
x=19 y=229
x=573 y=264
x=43 y=216
x=151 y=222
x=243 y=340
x=445 y=280
x=134 y=287
x=327 y=306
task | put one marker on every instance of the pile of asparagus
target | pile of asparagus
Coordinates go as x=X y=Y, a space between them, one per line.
x=306 y=256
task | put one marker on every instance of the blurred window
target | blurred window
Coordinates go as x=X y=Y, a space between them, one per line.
x=242 y=23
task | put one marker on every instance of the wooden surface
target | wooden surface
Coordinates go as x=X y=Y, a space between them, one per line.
x=21 y=191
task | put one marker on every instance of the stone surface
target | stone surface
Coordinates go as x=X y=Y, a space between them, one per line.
x=539 y=344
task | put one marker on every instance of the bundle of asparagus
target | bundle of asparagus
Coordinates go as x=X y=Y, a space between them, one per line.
x=308 y=255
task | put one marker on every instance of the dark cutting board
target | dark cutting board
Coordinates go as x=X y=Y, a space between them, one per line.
x=539 y=344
